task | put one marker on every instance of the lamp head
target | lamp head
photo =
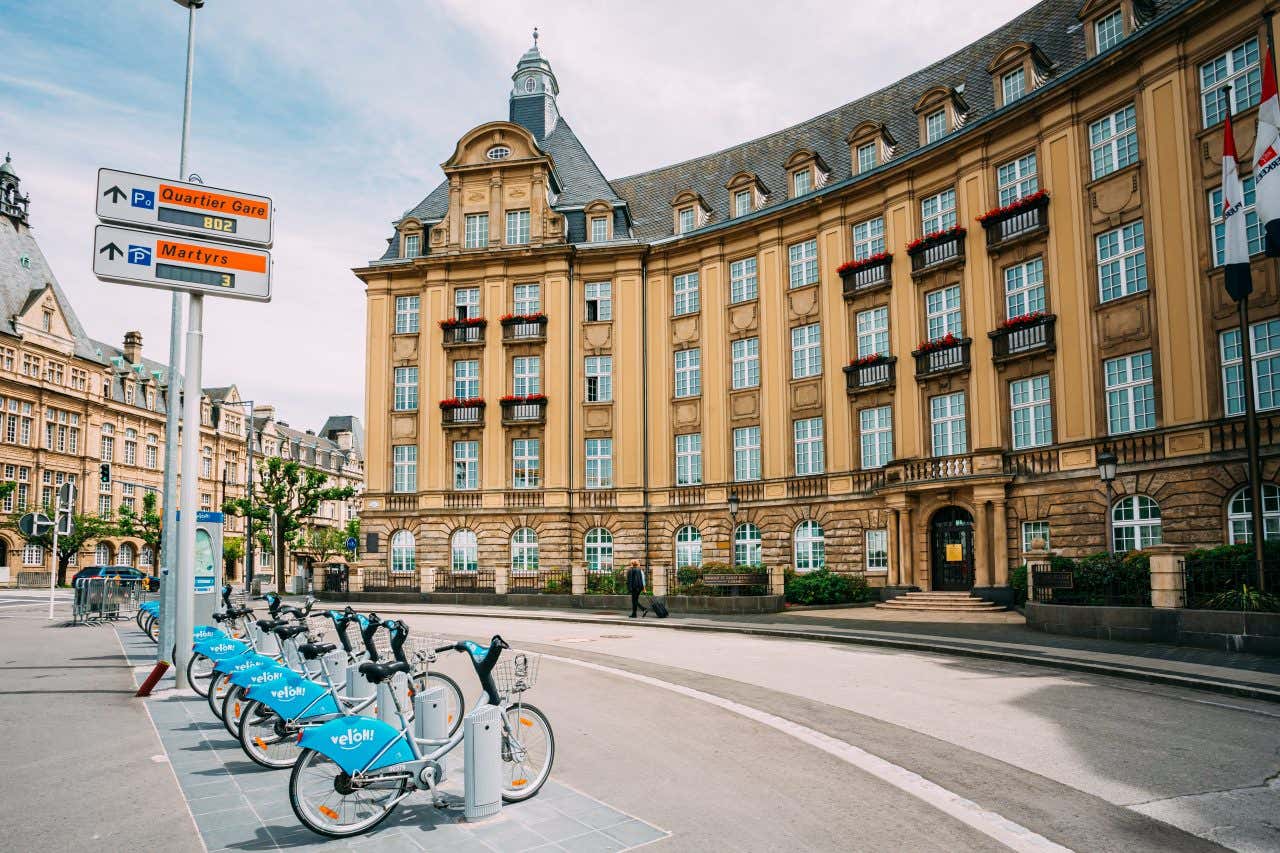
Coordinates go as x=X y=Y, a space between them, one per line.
x=1107 y=466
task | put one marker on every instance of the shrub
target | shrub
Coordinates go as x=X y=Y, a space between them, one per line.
x=1018 y=583
x=825 y=587
x=1244 y=597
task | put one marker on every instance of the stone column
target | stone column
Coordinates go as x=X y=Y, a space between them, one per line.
x=1000 y=543
x=981 y=546
x=895 y=567
x=500 y=578
x=777 y=581
x=1037 y=558
x=578 y=579
x=429 y=579
x=1168 y=583
x=906 y=549
x=658 y=579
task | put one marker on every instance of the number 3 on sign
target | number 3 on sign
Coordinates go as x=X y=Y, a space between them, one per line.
x=227 y=280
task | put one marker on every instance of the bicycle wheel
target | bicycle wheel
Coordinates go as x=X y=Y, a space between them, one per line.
x=152 y=629
x=455 y=702
x=233 y=705
x=199 y=671
x=329 y=802
x=528 y=751
x=265 y=738
x=219 y=684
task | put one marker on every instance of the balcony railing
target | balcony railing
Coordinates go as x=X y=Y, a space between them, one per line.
x=462 y=500
x=402 y=503
x=522 y=498
x=1035 y=336
x=937 y=468
x=938 y=361
x=936 y=251
x=1022 y=220
x=524 y=411
x=807 y=487
x=688 y=496
x=598 y=498
x=526 y=329
x=867 y=276
x=868 y=377
x=467 y=414
x=468 y=334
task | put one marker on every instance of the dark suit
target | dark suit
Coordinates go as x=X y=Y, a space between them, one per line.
x=635 y=586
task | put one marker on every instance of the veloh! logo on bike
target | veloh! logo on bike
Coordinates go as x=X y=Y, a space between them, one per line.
x=288 y=692
x=353 y=738
x=264 y=677
x=223 y=647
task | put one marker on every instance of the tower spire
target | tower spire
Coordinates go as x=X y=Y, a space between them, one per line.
x=533 y=93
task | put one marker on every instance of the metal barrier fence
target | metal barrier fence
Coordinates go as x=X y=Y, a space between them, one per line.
x=33 y=580
x=550 y=581
x=1223 y=580
x=106 y=599
x=479 y=580
x=381 y=580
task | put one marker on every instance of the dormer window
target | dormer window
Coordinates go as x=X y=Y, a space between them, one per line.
x=1017 y=71
x=685 y=219
x=1109 y=22
x=865 y=157
x=689 y=212
x=599 y=229
x=742 y=203
x=807 y=172
x=801 y=183
x=47 y=320
x=935 y=126
x=412 y=245
x=941 y=111
x=1013 y=85
x=1108 y=31
x=746 y=194
x=599 y=215
x=870 y=146
x=499 y=152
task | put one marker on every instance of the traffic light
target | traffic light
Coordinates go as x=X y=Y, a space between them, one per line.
x=104 y=473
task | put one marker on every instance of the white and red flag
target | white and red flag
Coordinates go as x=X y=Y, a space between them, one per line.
x=1266 y=160
x=1239 y=281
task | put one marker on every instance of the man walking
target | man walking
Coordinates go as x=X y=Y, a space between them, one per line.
x=635 y=586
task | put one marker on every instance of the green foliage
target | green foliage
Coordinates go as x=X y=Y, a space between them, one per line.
x=1018 y=582
x=1225 y=578
x=146 y=525
x=1106 y=579
x=232 y=550
x=87 y=529
x=351 y=530
x=1244 y=597
x=825 y=587
x=324 y=542
x=606 y=583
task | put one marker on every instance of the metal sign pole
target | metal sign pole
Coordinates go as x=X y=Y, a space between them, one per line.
x=185 y=580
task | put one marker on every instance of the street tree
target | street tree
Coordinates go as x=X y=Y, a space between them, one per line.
x=144 y=525
x=325 y=542
x=351 y=530
x=232 y=550
x=86 y=528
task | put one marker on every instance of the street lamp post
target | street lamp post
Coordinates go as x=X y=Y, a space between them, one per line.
x=1107 y=474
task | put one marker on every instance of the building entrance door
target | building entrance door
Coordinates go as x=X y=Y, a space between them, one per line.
x=951 y=550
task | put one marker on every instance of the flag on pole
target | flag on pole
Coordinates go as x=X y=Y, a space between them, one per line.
x=1239 y=281
x=1266 y=159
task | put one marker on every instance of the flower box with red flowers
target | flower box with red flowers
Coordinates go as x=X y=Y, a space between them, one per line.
x=513 y=399
x=522 y=319
x=921 y=243
x=1023 y=320
x=462 y=403
x=464 y=322
x=851 y=267
x=1036 y=199
x=868 y=360
x=947 y=340
x=865 y=273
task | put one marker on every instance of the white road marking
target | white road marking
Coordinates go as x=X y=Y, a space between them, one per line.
x=1010 y=834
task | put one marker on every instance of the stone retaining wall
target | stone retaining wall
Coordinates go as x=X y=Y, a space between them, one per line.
x=1213 y=629
x=718 y=604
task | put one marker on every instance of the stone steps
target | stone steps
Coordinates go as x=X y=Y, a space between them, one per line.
x=943 y=602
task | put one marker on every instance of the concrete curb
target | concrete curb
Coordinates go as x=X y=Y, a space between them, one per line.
x=1230 y=688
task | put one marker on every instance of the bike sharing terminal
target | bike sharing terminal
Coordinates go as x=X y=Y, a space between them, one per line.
x=207 y=571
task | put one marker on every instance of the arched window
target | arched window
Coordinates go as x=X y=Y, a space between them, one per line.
x=127 y=555
x=746 y=545
x=1240 y=515
x=404 y=552
x=599 y=550
x=811 y=546
x=524 y=550
x=102 y=555
x=1135 y=524
x=465 y=551
x=145 y=557
x=688 y=548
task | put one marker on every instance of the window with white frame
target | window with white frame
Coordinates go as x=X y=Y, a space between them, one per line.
x=935 y=126
x=1017 y=179
x=146 y=557
x=407 y=315
x=689 y=459
x=466 y=378
x=476 y=235
x=1265 y=349
x=747 y=546
x=1122 y=261
x=1135 y=524
x=599 y=229
x=517 y=227
x=1013 y=85
x=406 y=389
x=685 y=220
x=742 y=203
x=127 y=554
x=1239 y=69
x=868 y=238
x=1024 y=288
x=102 y=554
x=865 y=157
x=1113 y=141
x=942 y=313
x=404 y=553
x=809 y=455
x=598 y=550
x=801 y=182
x=746 y=453
x=464 y=550
x=1252 y=226
x=524 y=550
x=1033 y=530
x=1031 y=411
x=947 y=424
x=526 y=463
x=466 y=303
x=404 y=468
x=1240 y=515
x=876 y=553
x=875 y=430
x=810 y=543
x=1108 y=30
x=685 y=295
x=412 y=244
x=599 y=301
x=688 y=364
x=742 y=280
x=599 y=463
x=806 y=351
x=526 y=375
x=466 y=465
x=527 y=299
x=938 y=212
x=745 y=356
x=104 y=506
x=872 y=327
x=802 y=262
x=688 y=548
x=32 y=555
x=1131 y=393
x=599 y=384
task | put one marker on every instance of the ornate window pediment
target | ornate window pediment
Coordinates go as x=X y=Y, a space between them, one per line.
x=806 y=172
x=1018 y=70
x=747 y=193
x=599 y=215
x=941 y=110
x=882 y=146
x=689 y=211
x=1108 y=22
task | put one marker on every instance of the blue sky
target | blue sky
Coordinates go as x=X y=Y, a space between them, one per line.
x=343 y=111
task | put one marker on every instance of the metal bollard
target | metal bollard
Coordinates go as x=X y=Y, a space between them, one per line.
x=482 y=756
x=386 y=708
x=431 y=715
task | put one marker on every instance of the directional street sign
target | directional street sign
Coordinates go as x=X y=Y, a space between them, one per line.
x=34 y=524
x=146 y=259
x=159 y=204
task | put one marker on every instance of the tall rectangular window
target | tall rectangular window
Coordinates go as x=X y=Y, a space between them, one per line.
x=466 y=379
x=1131 y=393
x=599 y=384
x=866 y=157
x=946 y=419
x=466 y=465
x=685 y=294
x=742 y=203
x=802 y=261
x=412 y=243
x=1017 y=179
x=942 y=312
x=1031 y=411
x=1217 y=230
x=801 y=183
x=1024 y=288
x=938 y=212
x=527 y=299
x=810 y=458
x=746 y=362
x=526 y=463
x=466 y=303
x=476 y=235
x=1033 y=530
x=1108 y=30
x=873 y=331
x=746 y=453
x=1266 y=367
x=404 y=468
x=877 y=550
x=875 y=427
x=1237 y=68
x=742 y=280
x=806 y=351
x=1122 y=261
x=688 y=372
x=686 y=220
x=868 y=238
x=406 y=389
x=407 y=315
x=599 y=301
x=935 y=126
x=689 y=459
x=599 y=463
x=1113 y=141
x=517 y=227
x=526 y=375
x=599 y=229
x=1013 y=85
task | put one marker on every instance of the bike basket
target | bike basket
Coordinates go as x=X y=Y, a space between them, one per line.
x=421 y=647
x=516 y=672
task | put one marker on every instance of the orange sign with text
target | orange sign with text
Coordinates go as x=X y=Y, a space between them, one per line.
x=185 y=196
x=225 y=258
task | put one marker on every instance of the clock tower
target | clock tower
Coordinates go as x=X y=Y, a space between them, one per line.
x=533 y=93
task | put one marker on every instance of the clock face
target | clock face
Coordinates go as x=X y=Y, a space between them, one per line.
x=529 y=84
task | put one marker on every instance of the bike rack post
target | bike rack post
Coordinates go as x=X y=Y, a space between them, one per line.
x=482 y=757
x=430 y=715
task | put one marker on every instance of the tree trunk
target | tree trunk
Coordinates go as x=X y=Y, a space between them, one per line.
x=279 y=549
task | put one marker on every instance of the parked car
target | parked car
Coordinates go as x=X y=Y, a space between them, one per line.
x=147 y=582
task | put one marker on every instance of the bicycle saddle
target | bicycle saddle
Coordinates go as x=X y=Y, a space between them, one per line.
x=269 y=624
x=379 y=672
x=311 y=651
x=284 y=632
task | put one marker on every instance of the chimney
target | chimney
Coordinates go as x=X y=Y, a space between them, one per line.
x=344 y=439
x=133 y=347
x=268 y=412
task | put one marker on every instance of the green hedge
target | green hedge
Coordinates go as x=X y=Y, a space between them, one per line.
x=825 y=587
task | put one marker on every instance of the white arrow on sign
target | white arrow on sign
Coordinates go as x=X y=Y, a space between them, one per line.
x=127 y=198
x=130 y=256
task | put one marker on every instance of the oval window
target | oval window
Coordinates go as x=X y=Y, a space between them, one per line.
x=498 y=152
